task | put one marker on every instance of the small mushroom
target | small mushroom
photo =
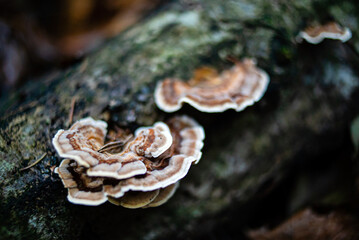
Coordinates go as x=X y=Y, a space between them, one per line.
x=241 y=86
x=332 y=30
x=165 y=164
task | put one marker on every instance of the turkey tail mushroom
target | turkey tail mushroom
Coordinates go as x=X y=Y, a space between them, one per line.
x=144 y=174
x=239 y=87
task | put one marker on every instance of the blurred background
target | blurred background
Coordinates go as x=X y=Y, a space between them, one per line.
x=39 y=35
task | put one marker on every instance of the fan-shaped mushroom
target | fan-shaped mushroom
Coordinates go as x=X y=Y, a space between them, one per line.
x=84 y=142
x=241 y=86
x=165 y=164
x=332 y=30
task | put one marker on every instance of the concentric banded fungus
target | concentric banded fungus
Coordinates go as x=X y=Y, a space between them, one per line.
x=241 y=86
x=316 y=34
x=165 y=164
x=84 y=142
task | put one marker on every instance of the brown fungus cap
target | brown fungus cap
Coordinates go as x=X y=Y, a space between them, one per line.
x=188 y=138
x=135 y=199
x=241 y=86
x=163 y=195
x=332 y=30
x=138 y=199
x=164 y=168
x=81 y=188
x=84 y=142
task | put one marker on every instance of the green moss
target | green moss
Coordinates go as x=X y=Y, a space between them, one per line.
x=13 y=234
x=5 y=167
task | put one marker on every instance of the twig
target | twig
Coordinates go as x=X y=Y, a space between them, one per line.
x=33 y=164
x=115 y=145
x=111 y=146
x=232 y=59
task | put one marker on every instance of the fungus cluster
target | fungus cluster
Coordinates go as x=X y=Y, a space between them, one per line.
x=240 y=86
x=142 y=171
x=332 y=30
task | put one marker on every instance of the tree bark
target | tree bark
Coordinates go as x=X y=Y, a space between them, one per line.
x=249 y=158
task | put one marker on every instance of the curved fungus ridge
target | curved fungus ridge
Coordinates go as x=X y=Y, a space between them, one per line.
x=134 y=199
x=236 y=88
x=176 y=166
x=163 y=140
x=332 y=30
x=138 y=199
x=84 y=142
x=81 y=188
x=81 y=141
x=165 y=164
x=163 y=195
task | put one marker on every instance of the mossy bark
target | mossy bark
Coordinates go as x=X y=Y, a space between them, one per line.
x=303 y=119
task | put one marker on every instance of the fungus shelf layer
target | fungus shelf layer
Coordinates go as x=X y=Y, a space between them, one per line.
x=331 y=30
x=236 y=88
x=144 y=173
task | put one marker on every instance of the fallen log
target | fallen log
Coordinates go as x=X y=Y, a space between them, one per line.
x=303 y=118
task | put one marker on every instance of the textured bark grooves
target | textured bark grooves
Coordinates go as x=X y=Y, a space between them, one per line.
x=302 y=121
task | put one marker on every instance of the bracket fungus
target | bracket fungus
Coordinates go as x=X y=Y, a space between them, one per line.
x=239 y=87
x=144 y=173
x=332 y=30
x=84 y=142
